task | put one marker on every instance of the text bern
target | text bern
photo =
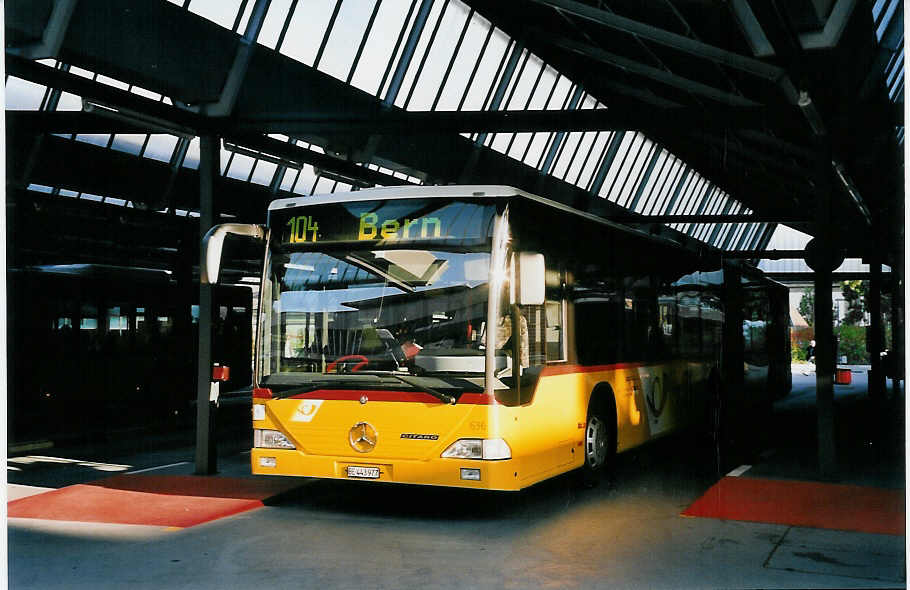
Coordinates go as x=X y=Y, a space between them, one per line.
x=392 y=229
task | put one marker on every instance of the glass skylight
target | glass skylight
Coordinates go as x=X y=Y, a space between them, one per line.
x=442 y=55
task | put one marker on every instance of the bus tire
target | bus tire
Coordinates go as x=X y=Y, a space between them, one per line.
x=599 y=437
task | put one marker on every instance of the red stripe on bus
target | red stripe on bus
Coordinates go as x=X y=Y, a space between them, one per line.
x=551 y=370
x=387 y=396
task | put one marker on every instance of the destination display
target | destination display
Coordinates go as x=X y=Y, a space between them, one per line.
x=386 y=222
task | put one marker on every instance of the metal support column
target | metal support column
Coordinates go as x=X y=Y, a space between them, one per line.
x=876 y=384
x=209 y=167
x=897 y=246
x=731 y=434
x=824 y=328
x=187 y=252
x=897 y=352
x=10 y=299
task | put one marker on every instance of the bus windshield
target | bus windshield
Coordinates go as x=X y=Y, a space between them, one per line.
x=331 y=316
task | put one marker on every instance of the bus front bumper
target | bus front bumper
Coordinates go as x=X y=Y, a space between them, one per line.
x=463 y=473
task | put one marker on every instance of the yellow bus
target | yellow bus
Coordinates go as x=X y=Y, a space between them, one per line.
x=482 y=337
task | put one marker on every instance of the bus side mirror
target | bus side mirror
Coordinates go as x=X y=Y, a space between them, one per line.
x=532 y=278
x=213 y=244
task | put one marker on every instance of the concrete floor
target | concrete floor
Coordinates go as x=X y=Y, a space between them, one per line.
x=625 y=533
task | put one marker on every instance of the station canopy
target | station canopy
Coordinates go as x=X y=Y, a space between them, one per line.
x=708 y=121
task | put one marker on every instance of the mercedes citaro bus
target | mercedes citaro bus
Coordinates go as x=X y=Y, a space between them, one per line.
x=484 y=337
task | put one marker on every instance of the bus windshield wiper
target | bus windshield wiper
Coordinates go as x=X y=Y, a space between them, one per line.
x=445 y=397
x=449 y=399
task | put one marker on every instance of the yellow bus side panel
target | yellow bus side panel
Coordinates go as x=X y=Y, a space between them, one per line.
x=549 y=431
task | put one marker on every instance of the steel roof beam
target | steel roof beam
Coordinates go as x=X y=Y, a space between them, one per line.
x=679 y=42
x=78 y=122
x=717 y=227
x=777 y=144
x=802 y=277
x=550 y=158
x=237 y=72
x=607 y=162
x=691 y=33
x=54 y=33
x=87 y=88
x=765 y=254
x=635 y=67
x=752 y=29
x=785 y=165
x=395 y=121
x=410 y=47
x=160 y=116
x=735 y=172
x=502 y=86
x=834 y=27
x=342 y=168
x=399 y=122
x=638 y=93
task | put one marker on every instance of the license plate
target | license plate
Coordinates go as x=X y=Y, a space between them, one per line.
x=363 y=472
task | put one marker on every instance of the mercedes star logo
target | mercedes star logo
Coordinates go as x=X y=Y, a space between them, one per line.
x=362 y=437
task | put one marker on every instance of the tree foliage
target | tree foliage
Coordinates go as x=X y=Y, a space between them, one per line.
x=855 y=296
x=851 y=343
x=807 y=306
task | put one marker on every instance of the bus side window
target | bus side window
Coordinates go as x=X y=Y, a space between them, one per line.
x=689 y=324
x=667 y=325
x=553 y=341
x=536 y=321
x=712 y=318
x=598 y=329
x=755 y=326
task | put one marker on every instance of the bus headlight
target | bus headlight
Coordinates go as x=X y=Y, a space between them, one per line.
x=488 y=449
x=271 y=439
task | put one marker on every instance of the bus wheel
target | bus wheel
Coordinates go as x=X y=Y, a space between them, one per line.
x=599 y=445
x=596 y=436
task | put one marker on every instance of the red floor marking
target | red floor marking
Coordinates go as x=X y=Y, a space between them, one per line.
x=175 y=501
x=802 y=503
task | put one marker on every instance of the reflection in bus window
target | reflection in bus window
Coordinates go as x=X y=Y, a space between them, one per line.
x=555 y=350
x=667 y=325
x=165 y=325
x=89 y=319
x=117 y=322
x=712 y=317
x=690 y=331
x=598 y=326
x=755 y=326
x=413 y=311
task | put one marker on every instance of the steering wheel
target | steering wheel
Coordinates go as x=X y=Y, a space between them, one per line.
x=332 y=367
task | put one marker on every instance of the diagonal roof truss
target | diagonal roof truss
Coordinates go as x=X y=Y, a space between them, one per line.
x=353 y=94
